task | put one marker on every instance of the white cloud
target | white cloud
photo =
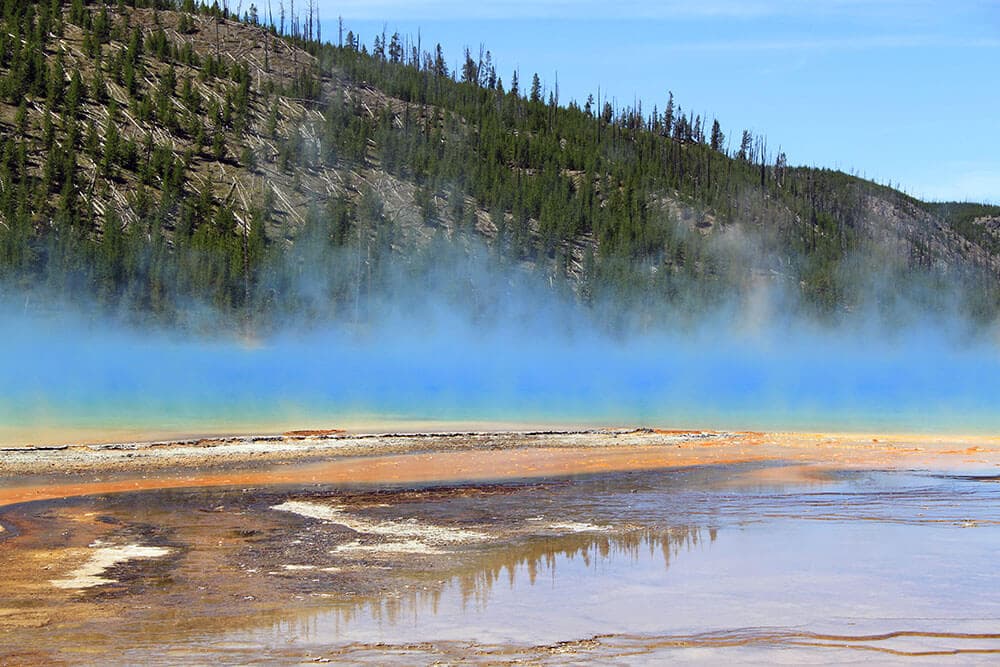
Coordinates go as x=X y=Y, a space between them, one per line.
x=594 y=9
x=859 y=42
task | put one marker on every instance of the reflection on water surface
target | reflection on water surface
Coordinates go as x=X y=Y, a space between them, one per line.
x=707 y=564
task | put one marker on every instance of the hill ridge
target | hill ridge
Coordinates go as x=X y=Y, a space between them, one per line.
x=157 y=155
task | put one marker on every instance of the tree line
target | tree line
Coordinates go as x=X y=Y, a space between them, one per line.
x=592 y=194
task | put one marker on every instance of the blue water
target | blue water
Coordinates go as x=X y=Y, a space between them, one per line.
x=74 y=372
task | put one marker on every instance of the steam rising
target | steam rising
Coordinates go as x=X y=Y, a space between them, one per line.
x=467 y=338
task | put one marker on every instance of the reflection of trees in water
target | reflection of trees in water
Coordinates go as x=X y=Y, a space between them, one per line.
x=476 y=580
x=543 y=555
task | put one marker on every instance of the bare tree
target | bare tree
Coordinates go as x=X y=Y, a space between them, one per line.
x=319 y=26
x=311 y=9
x=218 y=46
x=267 y=38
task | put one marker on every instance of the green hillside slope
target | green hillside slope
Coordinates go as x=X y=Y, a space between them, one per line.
x=154 y=156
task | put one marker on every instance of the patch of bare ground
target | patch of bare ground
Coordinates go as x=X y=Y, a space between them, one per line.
x=277 y=541
x=424 y=458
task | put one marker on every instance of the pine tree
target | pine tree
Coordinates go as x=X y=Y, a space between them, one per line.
x=717 y=138
x=668 y=116
x=745 y=144
x=536 y=89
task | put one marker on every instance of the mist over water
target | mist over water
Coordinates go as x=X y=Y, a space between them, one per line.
x=486 y=345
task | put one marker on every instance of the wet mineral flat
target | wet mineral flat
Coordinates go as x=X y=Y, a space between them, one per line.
x=759 y=561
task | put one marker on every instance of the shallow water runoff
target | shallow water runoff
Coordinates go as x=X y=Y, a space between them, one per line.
x=706 y=564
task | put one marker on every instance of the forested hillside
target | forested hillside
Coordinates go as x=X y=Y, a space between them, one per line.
x=158 y=154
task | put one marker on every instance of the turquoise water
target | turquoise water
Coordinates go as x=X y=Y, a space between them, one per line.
x=77 y=374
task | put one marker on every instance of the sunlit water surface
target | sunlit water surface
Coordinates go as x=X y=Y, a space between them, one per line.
x=73 y=374
x=790 y=574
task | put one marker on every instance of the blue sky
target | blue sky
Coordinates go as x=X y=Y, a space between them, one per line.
x=900 y=91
